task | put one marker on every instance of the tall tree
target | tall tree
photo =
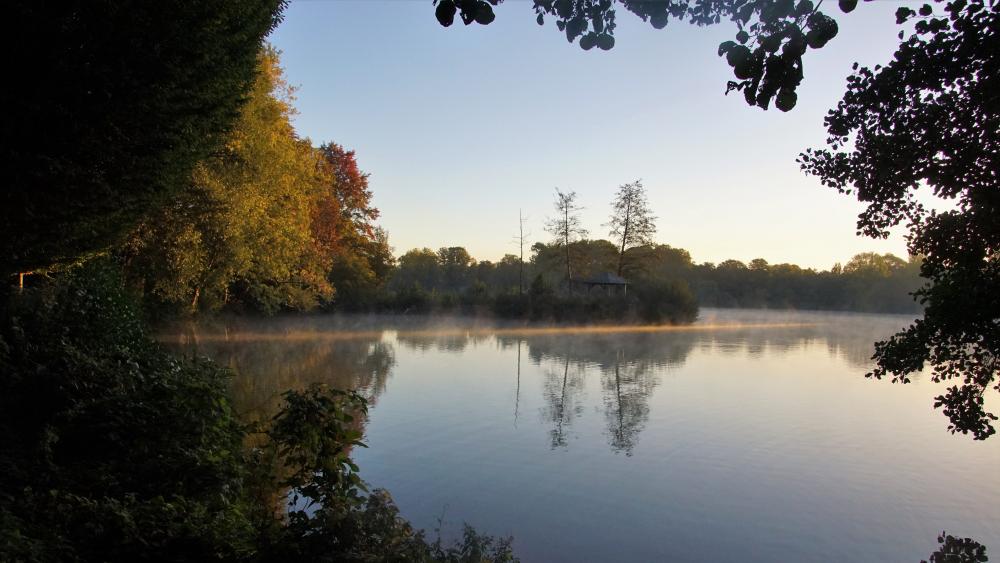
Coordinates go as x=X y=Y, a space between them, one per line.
x=521 y=238
x=566 y=227
x=631 y=223
x=124 y=98
x=419 y=267
x=345 y=214
x=930 y=120
x=343 y=226
x=244 y=224
x=455 y=262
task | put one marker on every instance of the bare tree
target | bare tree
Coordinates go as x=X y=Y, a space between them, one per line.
x=631 y=222
x=520 y=239
x=566 y=226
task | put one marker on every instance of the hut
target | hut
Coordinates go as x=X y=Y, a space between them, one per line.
x=610 y=283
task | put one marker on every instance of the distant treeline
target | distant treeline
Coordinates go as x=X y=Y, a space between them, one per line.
x=272 y=223
x=868 y=282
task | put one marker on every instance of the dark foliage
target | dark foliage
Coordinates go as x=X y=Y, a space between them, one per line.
x=115 y=451
x=112 y=450
x=930 y=120
x=666 y=302
x=766 y=57
x=425 y=281
x=113 y=107
x=869 y=282
x=958 y=550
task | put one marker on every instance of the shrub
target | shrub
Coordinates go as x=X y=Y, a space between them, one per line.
x=115 y=451
x=666 y=301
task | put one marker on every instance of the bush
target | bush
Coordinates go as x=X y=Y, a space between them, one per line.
x=112 y=449
x=115 y=451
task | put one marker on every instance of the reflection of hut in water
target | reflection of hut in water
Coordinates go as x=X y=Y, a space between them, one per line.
x=608 y=282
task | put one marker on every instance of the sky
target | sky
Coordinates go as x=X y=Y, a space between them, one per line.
x=462 y=127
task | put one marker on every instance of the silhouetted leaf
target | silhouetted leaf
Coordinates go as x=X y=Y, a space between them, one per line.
x=785 y=100
x=484 y=14
x=445 y=12
x=725 y=46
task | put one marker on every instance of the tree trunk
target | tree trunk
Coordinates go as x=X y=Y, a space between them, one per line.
x=520 y=275
x=569 y=269
x=621 y=252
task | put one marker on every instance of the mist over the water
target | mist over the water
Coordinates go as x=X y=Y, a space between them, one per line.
x=683 y=443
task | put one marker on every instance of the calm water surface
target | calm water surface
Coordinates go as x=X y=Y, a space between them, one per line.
x=752 y=436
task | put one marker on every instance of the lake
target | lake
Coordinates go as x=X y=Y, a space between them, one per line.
x=750 y=436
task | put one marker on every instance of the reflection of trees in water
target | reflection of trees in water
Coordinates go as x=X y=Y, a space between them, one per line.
x=630 y=367
x=849 y=336
x=517 y=388
x=655 y=349
x=274 y=355
x=626 y=401
x=563 y=389
x=445 y=341
x=631 y=364
x=267 y=361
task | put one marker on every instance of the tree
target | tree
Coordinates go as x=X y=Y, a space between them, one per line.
x=765 y=27
x=566 y=226
x=631 y=222
x=930 y=120
x=665 y=262
x=344 y=214
x=344 y=231
x=124 y=99
x=521 y=238
x=418 y=267
x=245 y=223
x=455 y=264
x=874 y=264
x=626 y=388
x=508 y=273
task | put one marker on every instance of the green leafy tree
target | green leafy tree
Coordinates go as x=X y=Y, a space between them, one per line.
x=360 y=274
x=589 y=258
x=929 y=120
x=138 y=93
x=456 y=264
x=418 y=267
x=632 y=224
x=873 y=264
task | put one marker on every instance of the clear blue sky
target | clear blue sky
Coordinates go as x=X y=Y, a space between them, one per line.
x=460 y=127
